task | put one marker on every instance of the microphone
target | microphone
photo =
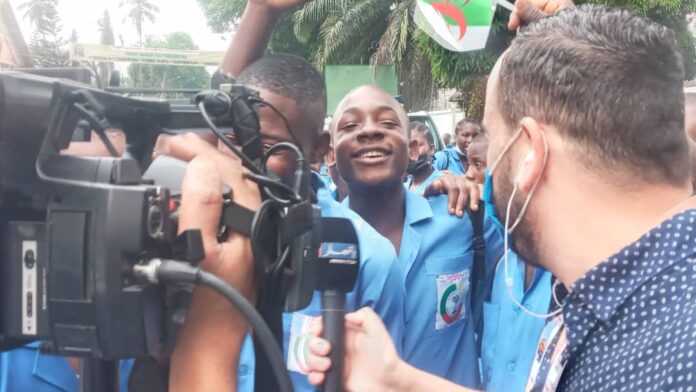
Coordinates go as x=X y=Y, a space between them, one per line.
x=338 y=265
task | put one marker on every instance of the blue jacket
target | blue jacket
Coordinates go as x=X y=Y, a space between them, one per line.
x=510 y=336
x=28 y=369
x=436 y=255
x=449 y=159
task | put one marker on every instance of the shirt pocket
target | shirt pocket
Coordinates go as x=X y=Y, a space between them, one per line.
x=447 y=294
x=491 y=319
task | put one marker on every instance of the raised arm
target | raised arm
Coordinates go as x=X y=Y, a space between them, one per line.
x=254 y=32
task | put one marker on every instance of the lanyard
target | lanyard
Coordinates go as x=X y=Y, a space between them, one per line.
x=550 y=358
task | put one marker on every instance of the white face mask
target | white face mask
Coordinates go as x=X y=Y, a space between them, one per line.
x=507 y=229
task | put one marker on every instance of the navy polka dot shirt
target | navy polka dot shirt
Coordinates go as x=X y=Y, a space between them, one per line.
x=631 y=321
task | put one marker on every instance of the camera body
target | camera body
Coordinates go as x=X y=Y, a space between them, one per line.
x=67 y=246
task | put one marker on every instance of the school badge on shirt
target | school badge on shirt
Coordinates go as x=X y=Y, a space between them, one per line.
x=451 y=297
x=298 y=348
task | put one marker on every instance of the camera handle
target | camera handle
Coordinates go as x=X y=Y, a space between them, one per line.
x=99 y=375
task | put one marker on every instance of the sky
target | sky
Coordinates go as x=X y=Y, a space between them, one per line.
x=175 y=15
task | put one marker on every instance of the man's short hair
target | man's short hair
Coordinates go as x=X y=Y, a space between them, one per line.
x=466 y=122
x=292 y=77
x=610 y=81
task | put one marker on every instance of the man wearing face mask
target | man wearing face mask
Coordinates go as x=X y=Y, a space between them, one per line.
x=573 y=90
x=420 y=166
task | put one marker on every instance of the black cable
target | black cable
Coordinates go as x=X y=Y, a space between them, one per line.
x=268 y=183
x=98 y=128
x=282 y=117
x=255 y=174
x=179 y=272
x=299 y=161
x=245 y=160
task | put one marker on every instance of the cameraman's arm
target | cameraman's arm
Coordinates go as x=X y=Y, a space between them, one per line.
x=207 y=350
x=254 y=32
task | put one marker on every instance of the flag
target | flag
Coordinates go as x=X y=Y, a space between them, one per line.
x=457 y=25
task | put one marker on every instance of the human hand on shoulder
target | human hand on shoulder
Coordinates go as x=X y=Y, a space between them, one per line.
x=528 y=11
x=459 y=191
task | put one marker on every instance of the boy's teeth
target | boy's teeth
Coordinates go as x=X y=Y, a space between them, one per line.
x=373 y=154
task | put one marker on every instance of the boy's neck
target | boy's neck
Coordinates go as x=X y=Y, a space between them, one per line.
x=418 y=178
x=382 y=207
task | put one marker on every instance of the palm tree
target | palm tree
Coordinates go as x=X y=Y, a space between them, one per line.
x=106 y=30
x=140 y=12
x=368 y=31
x=39 y=13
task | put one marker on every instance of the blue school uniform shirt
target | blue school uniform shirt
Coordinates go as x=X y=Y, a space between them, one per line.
x=449 y=159
x=510 y=336
x=379 y=286
x=420 y=189
x=28 y=369
x=436 y=257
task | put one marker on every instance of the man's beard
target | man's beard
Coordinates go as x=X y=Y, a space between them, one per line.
x=524 y=238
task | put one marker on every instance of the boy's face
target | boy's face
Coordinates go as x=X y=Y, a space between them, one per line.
x=476 y=155
x=465 y=134
x=370 y=138
x=274 y=130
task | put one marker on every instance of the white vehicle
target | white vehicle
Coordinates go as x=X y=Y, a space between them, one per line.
x=440 y=122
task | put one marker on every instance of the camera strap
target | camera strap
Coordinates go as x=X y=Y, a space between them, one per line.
x=237 y=218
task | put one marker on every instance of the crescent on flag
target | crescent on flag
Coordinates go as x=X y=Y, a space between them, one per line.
x=457 y=25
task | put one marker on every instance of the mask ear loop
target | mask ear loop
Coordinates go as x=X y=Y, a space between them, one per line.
x=506 y=240
x=534 y=187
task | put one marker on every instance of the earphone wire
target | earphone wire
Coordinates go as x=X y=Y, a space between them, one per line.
x=506 y=237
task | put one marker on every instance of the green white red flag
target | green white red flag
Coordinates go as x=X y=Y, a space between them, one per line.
x=457 y=25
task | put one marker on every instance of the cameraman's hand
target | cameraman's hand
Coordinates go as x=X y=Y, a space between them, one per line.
x=207 y=350
x=528 y=11
x=185 y=146
x=459 y=191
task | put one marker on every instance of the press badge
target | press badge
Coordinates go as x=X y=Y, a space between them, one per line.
x=298 y=344
x=550 y=358
x=452 y=290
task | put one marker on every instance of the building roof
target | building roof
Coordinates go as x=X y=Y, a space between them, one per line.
x=14 y=51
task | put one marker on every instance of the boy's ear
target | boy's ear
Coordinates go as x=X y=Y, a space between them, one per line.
x=321 y=147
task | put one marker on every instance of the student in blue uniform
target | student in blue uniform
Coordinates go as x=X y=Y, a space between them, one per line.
x=370 y=133
x=454 y=158
x=510 y=333
x=296 y=89
x=28 y=369
x=476 y=155
x=421 y=172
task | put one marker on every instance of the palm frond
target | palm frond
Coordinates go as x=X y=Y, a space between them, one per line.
x=340 y=36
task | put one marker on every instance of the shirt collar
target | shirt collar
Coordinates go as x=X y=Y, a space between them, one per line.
x=417 y=208
x=54 y=370
x=614 y=280
x=454 y=153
